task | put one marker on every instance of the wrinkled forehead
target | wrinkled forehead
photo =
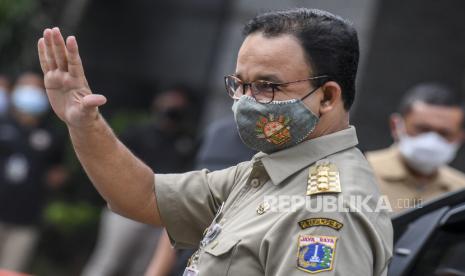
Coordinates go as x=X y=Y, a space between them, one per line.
x=435 y=115
x=281 y=55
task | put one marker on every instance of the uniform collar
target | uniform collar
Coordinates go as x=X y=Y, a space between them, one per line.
x=394 y=168
x=282 y=164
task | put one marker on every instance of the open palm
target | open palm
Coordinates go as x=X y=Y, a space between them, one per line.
x=65 y=82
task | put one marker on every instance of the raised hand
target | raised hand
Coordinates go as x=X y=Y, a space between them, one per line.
x=108 y=163
x=65 y=82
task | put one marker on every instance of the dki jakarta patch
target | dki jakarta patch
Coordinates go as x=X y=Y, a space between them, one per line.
x=316 y=253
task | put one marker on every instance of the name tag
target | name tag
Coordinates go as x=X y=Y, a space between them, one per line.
x=189 y=271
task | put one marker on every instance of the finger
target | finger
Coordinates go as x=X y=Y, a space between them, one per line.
x=74 y=60
x=51 y=63
x=59 y=49
x=93 y=100
x=42 y=56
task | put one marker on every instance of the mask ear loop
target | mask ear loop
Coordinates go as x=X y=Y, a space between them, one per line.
x=321 y=82
x=310 y=93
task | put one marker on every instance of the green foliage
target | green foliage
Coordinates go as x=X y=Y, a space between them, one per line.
x=20 y=24
x=70 y=218
x=123 y=119
x=15 y=10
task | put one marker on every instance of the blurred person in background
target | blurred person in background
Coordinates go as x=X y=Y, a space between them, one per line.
x=124 y=246
x=31 y=155
x=221 y=148
x=4 y=95
x=428 y=131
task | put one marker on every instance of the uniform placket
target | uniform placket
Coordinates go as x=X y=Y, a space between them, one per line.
x=209 y=235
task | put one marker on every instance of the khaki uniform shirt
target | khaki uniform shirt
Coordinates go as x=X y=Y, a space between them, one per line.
x=402 y=188
x=248 y=237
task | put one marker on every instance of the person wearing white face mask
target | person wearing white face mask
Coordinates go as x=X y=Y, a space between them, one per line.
x=428 y=132
x=31 y=156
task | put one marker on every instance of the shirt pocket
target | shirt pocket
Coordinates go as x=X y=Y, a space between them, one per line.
x=219 y=255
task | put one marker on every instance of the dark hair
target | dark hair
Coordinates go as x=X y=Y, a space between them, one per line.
x=330 y=42
x=430 y=93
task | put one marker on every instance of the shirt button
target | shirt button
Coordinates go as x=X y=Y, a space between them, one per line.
x=255 y=183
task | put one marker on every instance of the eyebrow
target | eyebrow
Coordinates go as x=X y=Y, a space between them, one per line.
x=265 y=77
x=427 y=127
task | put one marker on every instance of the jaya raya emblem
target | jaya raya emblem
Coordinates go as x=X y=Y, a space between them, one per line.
x=274 y=130
x=316 y=253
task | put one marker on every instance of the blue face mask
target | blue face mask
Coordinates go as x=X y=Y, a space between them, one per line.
x=30 y=99
x=274 y=126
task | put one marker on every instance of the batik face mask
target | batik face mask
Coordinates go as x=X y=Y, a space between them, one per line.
x=273 y=126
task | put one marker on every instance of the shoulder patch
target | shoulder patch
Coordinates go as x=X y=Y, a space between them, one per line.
x=323 y=177
x=311 y=222
x=316 y=253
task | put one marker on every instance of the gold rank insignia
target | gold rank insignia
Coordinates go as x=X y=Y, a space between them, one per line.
x=323 y=177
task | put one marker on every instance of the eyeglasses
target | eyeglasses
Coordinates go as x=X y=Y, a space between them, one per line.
x=263 y=91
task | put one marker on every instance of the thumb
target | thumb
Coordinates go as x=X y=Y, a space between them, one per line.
x=93 y=100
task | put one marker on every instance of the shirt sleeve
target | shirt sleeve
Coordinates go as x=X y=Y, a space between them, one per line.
x=188 y=202
x=354 y=249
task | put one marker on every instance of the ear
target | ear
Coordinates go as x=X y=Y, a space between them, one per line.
x=394 y=123
x=332 y=97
